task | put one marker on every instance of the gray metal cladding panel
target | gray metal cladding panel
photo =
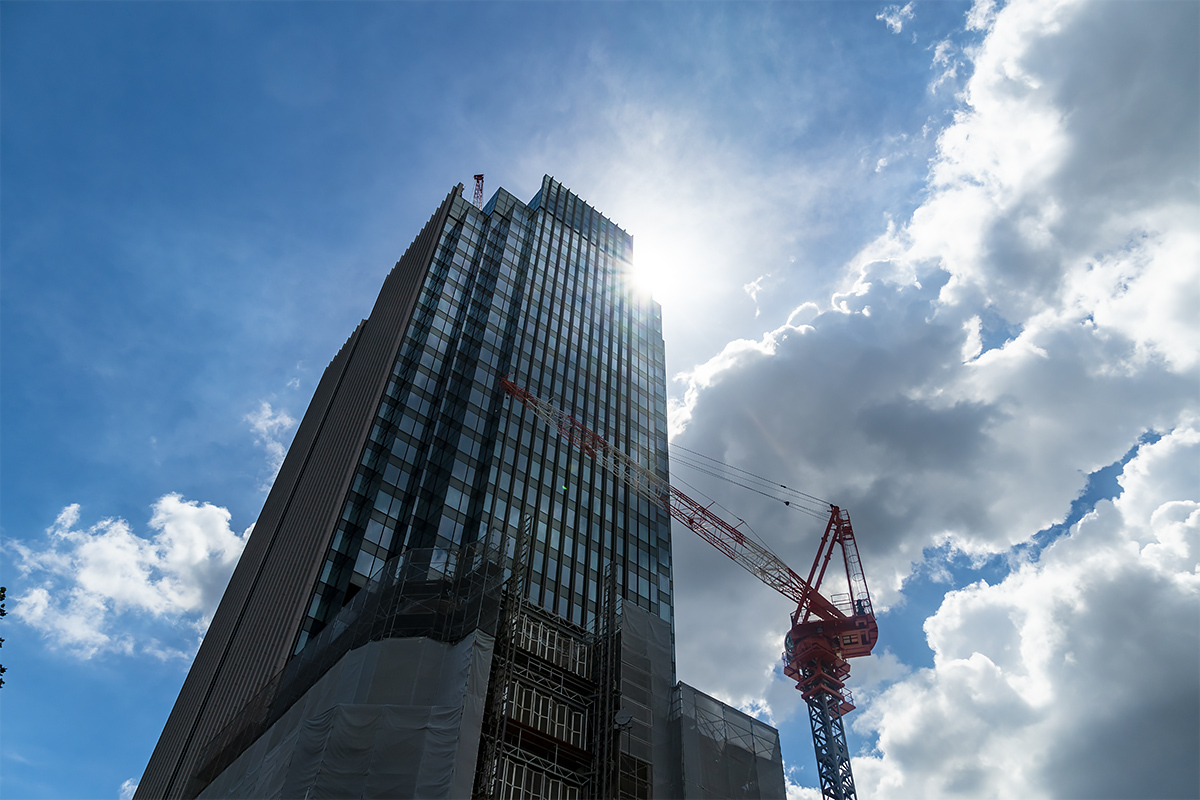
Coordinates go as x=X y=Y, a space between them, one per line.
x=273 y=613
x=252 y=633
x=165 y=761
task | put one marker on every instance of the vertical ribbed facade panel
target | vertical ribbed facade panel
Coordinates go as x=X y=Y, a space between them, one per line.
x=168 y=755
x=251 y=634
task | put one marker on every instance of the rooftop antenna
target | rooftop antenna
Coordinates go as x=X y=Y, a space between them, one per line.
x=479 y=191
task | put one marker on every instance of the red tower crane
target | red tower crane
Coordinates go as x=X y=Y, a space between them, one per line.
x=824 y=632
x=478 y=199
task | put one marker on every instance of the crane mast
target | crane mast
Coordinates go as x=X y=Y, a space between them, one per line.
x=824 y=631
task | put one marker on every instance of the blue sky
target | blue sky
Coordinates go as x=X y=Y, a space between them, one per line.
x=937 y=262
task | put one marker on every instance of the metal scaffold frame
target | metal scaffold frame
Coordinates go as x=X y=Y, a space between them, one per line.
x=561 y=744
x=606 y=660
x=489 y=777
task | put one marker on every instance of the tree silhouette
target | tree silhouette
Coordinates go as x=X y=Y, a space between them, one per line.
x=3 y=613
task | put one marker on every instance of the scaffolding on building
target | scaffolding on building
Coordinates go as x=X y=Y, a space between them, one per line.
x=554 y=691
x=606 y=665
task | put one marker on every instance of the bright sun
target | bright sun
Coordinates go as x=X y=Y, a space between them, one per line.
x=647 y=278
x=658 y=270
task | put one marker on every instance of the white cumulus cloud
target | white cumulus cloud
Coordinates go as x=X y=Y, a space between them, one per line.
x=1075 y=676
x=1024 y=326
x=270 y=428
x=86 y=589
x=756 y=287
x=895 y=16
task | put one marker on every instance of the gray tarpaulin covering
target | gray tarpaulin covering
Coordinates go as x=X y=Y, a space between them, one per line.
x=724 y=752
x=648 y=677
x=398 y=718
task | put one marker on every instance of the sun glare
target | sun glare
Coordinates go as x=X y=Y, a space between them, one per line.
x=647 y=278
x=658 y=271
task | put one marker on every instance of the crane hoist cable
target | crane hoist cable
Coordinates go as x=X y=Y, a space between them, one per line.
x=824 y=504
x=741 y=522
x=804 y=505
x=789 y=504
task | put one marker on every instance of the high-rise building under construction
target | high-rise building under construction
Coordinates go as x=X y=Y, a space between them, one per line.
x=440 y=597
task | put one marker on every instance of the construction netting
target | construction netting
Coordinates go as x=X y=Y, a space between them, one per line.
x=417 y=696
x=724 y=752
x=427 y=595
x=647 y=678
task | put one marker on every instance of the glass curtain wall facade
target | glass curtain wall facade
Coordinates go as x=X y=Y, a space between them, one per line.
x=541 y=292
